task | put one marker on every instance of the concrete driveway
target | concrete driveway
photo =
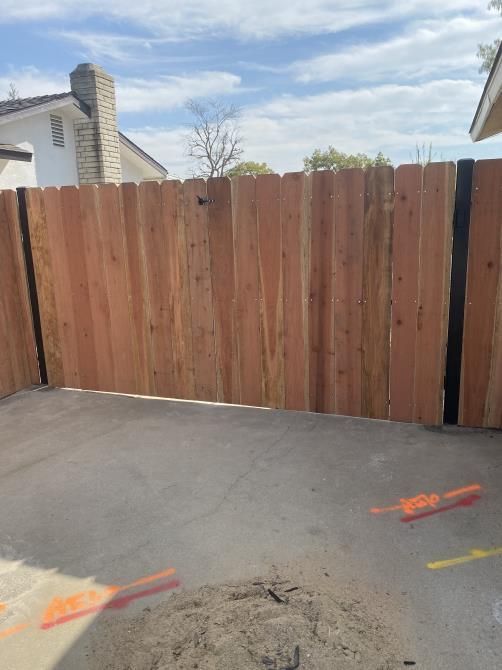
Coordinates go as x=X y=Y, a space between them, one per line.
x=107 y=496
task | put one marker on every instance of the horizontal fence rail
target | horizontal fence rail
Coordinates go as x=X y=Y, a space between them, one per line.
x=324 y=292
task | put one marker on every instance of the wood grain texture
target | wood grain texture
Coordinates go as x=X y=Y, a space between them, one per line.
x=59 y=280
x=247 y=289
x=98 y=290
x=160 y=298
x=438 y=199
x=39 y=238
x=377 y=285
x=199 y=272
x=480 y=391
x=295 y=221
x=18 y=362
x=405 y=266
x=178 y=287
x=138 y=283
x=268 y=212
x=79 y=282
x=322 y=293
x=221 y=245
x=349 y=250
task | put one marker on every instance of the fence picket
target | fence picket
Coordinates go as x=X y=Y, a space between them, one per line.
x=321 y=294
x=349 y=250
x=201 y=299
x=295 y=206
x=438 y=199
x=247 y=289
x=405 y=264
x=377 y=286
x=268 y=212
x=481 y=382
x=221 y=244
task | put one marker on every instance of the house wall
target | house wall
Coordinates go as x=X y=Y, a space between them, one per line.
x=134 y=170
x=50 y=165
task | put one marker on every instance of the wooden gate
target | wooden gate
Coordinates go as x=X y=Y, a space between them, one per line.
x=18 y=360
x=481 y=384
x=326 y=292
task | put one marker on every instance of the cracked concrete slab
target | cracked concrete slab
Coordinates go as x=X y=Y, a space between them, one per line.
x=102 y=495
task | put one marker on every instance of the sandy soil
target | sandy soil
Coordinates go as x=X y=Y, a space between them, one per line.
x=243 y=627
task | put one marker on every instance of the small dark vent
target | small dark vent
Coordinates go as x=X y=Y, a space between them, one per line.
x=57 y=130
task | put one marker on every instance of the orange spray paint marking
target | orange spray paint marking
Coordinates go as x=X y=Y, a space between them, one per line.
x=83 y=603
x=3 y=607
x=14 y=629
x=85 y=600
x=460 y=492
x=423 y=500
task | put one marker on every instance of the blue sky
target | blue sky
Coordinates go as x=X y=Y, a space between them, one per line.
x=362 y=75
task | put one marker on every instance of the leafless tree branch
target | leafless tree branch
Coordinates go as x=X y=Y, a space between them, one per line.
x=214 y=140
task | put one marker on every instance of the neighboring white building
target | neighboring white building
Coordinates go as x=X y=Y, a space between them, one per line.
x=488 y=118
x=70 y=138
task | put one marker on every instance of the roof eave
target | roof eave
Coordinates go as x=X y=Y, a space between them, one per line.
x=488 y=118
x=70 y=99
x=15 y=154
x=143 y=155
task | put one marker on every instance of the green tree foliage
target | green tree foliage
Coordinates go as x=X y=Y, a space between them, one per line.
x=331 y=159
x=249 y=167
x=487 y=52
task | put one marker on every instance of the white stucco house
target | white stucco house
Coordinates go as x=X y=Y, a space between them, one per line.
x=70 y=138
x=488 y=118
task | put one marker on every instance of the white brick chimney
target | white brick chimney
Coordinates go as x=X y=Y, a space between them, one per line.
x=97 y=138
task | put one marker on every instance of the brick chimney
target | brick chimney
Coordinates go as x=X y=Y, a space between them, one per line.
x=97 y=138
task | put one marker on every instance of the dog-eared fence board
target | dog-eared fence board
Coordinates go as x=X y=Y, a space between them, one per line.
x=18 y=358
x=438 y=196
x=155 y=222
x=270 y=263
x=295 y=208
x=481 y=379
x=349 y=253
x=201 y=298
x=221 y=246
x=376 y=291
x=321 y=294
x=405 y=265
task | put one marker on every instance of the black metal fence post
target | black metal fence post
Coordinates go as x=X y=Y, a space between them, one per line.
x=461 y=221
x=32 y=286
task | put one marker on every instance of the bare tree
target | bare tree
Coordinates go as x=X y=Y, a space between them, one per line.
x=214 y=140
x=13 y=93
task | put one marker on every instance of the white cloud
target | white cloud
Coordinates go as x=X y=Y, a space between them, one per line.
x=139 y=95
x=426 y=48
x=30 y=81
x=384 y=118
x=237 y=18
x=133 y=94
x=120 y=48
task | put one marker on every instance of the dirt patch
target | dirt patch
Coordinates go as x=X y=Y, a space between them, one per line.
x=265 y=624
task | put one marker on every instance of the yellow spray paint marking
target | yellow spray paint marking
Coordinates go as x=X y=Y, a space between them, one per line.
x=473 y=555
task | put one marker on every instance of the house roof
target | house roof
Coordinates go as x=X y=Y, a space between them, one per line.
x=488 y=118
x=13 y=153
x=20 y=105
x=26 y=106
x=142 y=154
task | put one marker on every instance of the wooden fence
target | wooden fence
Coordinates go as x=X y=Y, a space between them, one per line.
x=326 y=292
x=481 y=384
x=18 y=360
